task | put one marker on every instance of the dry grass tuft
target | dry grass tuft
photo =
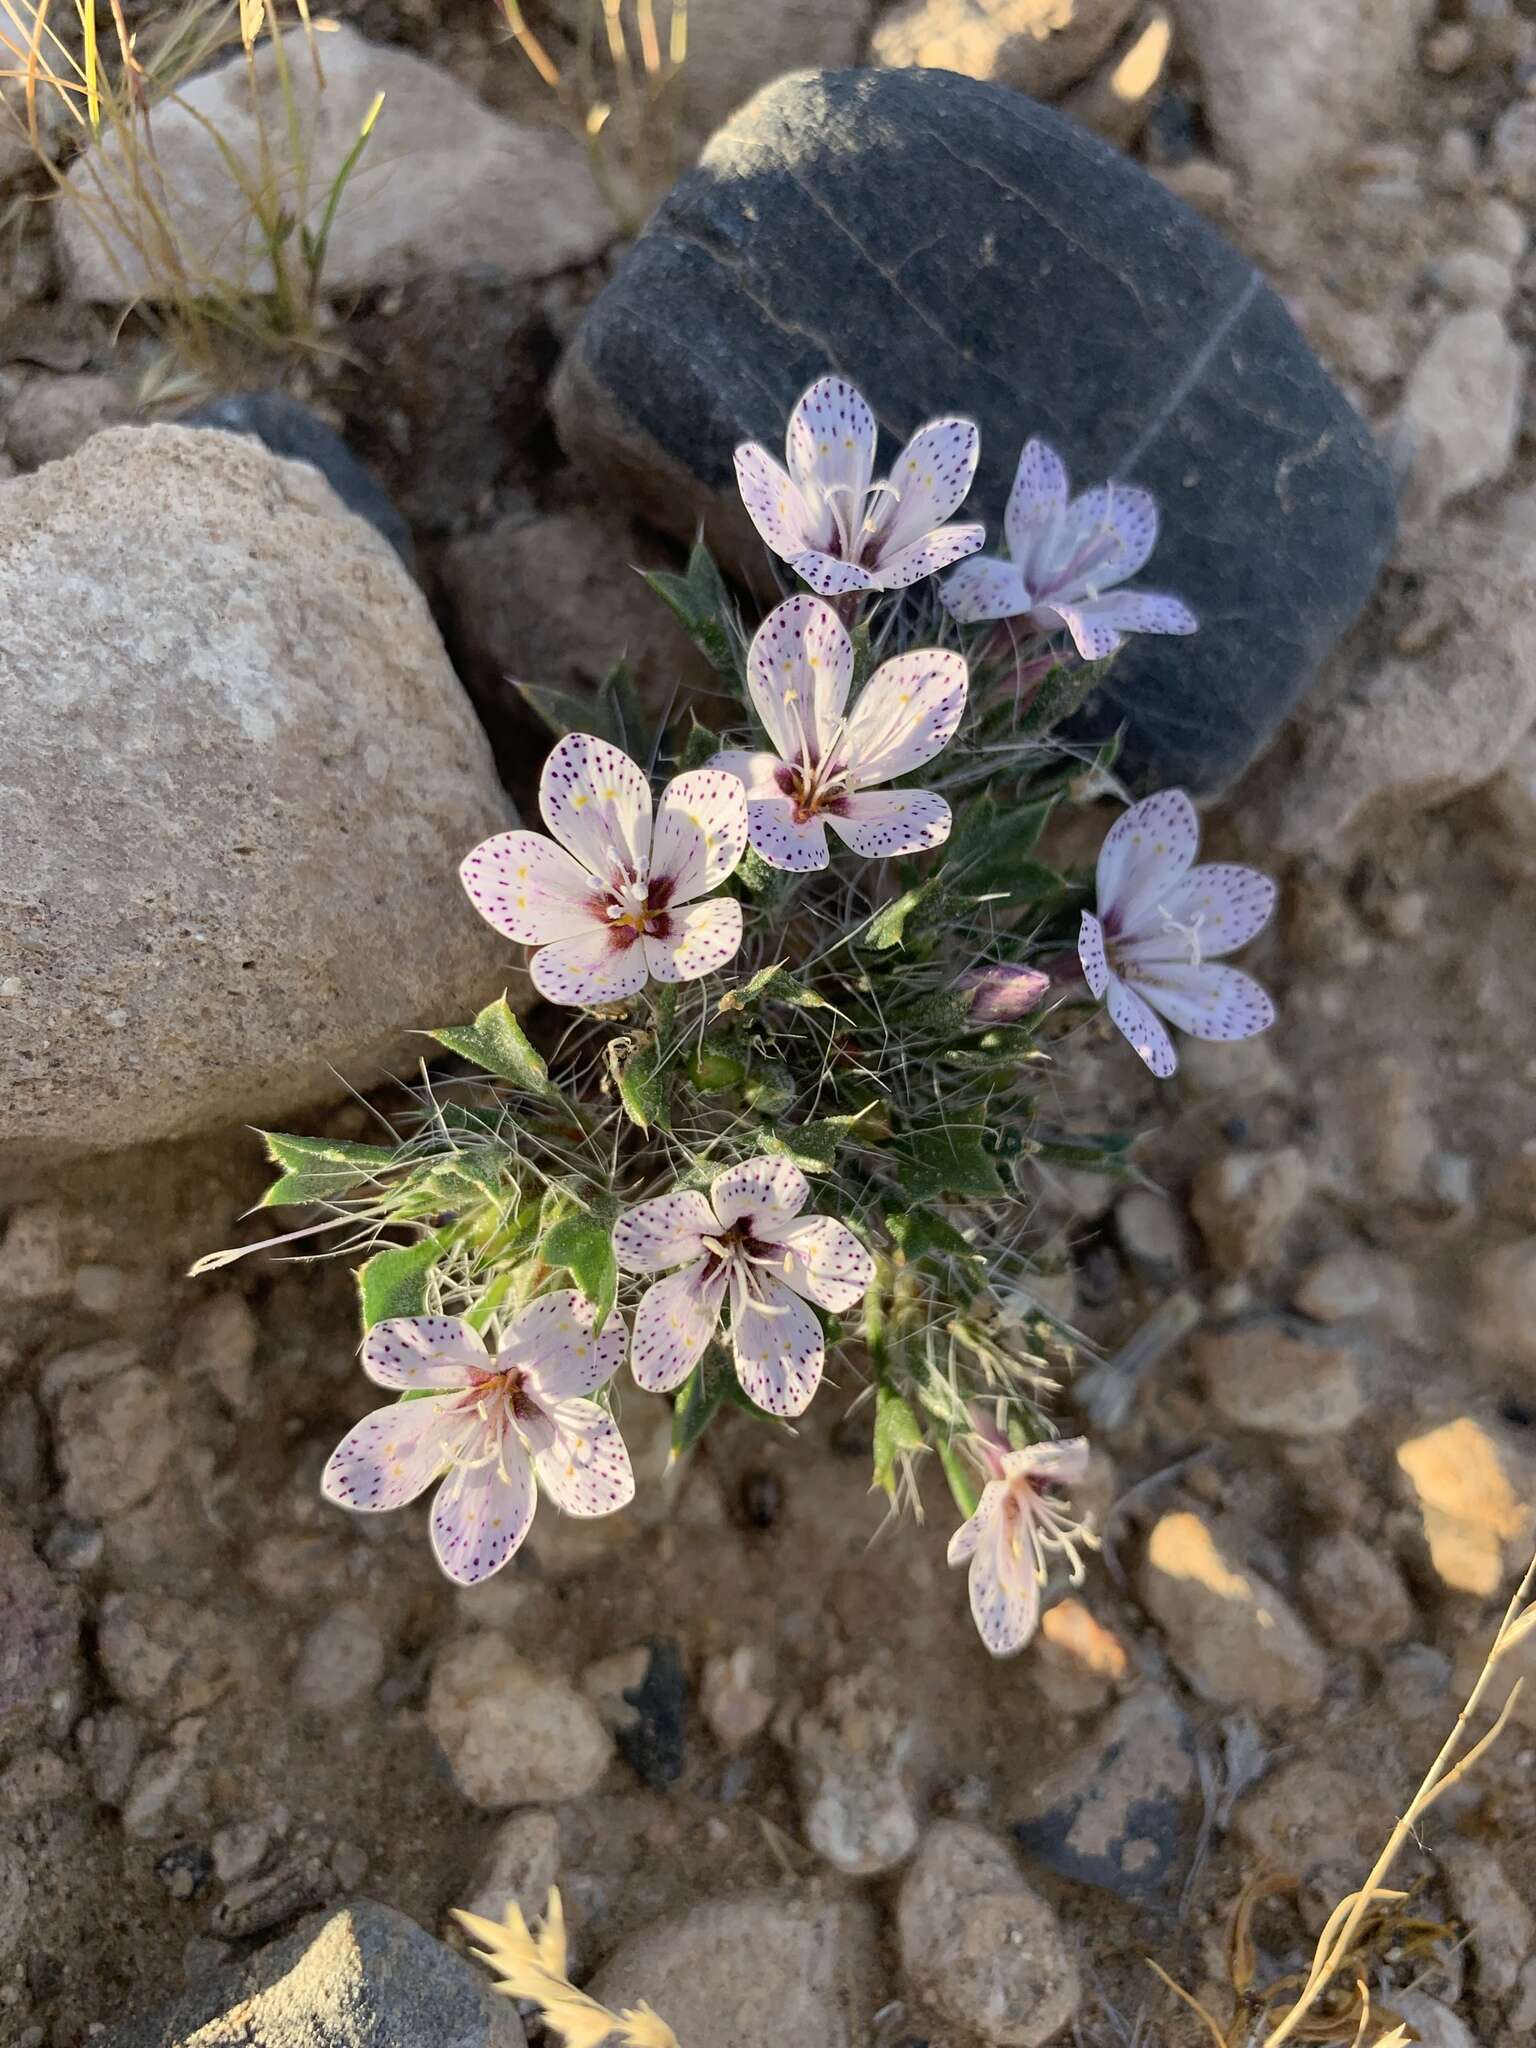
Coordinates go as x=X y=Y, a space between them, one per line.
x=533 y=1967
x=92 y=91
x=1333 y=2001
x=619 y=100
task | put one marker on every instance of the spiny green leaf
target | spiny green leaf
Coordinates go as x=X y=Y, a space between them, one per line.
x=699 y=1400
x=962 y=1485
x=562 y=712
x=701 y=604
x=898 y=1433
x=888 y=927
x=811 y=1146
x=989 y=854
x=950 y=1160
x=584 y=1246
x=772 y=985
x=322 y=1169
x=766 y=885
x=499 y=1044
x=644 y=1078
x=622 y=714
x=919 y=1233
x=700 y=747
x=395 y=1282
x=769 y=1088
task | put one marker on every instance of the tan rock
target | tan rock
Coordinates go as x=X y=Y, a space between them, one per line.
x=520 y=1866
x=442 y=181
x=1245 y=1202
x=1503 y=1305
x=1354 y=1594
x=1498 y=1920
x=1311 y=1818
x=50 y=417
x=513 y=1734
x=1292 y=85
x=555 y=601
x=1388 y=738
x=1461 y=409
x=979 y=1946
x=1340 y=1285
x=1276 y=1375
x=758 y=1970
x=1471 y=1507
x=243 y=777
x=115 y=1442
x=1237 y=1640
x=1036 y=46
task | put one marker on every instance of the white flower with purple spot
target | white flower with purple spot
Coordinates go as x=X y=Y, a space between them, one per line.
x=488 y=1427
x=828 y=763
x=1163 y=923
x=615 y=903
x=1066 y=559
x=832 y=523
x=1020 y=1521
x=746 y=1238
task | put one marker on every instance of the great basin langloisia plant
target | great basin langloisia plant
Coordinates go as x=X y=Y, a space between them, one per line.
x=817 y=972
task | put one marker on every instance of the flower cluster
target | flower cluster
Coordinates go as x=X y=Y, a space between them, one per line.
x=765 y=1004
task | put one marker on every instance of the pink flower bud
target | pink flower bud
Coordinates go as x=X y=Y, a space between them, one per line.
x=1001 y=995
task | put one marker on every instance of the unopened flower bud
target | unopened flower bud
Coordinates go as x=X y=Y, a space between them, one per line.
x=1003 y=994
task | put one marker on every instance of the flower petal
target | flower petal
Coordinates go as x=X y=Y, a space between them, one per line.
x=1005 y=1593
x=930 y=477
x=1091 y=955
x=799 y=667
x=765 y=1194
x=758 y=774
x=1137 y=1025
x=1224 y=904
x=1035 y=504
x=423 y=1351
x=773 y=834
x=1147 y=850
x=667 y=1231
x=880 y=823
x=830 y=445
x=1104 y=537
x=701 y=937
x=530 y=889
x=551 y=1340
x=701 y=833
x=1063 y=1461
x=907 y=713
x=600 y=968
x=1210 y=1001
x=984 y=588
x=597 y=803
x=829 y=575
x=674 y=1322
x=778 y=1344
x=938 y=550
x=827 y=1263
x=773 y=501
x=391 y=1455
x=587 y=1471
x=481 y=1515
x=962 y=1545
x=1098 y=625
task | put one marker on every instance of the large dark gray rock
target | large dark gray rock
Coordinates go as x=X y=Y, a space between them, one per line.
x=365 y=1977
x=1116 y=1812
x=953 y=247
